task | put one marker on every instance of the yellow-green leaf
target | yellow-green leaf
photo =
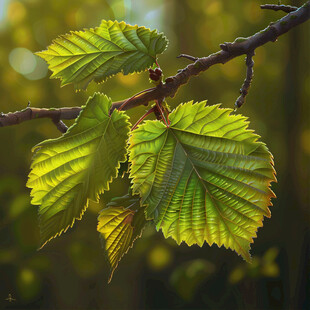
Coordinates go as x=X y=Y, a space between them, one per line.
x=68 y=171
x=96 y=54
x=206 y=177
x=119 y=225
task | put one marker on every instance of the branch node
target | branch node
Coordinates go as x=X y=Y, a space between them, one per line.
x=273 y=28
x=169 y=80
x=224 y=46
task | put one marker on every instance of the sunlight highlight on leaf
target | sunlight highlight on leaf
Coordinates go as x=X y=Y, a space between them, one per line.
x=119 y=225
x=68 y=171
x=99 y=53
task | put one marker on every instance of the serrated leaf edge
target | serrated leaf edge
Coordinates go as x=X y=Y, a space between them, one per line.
x=102 y=80
x=247 y=257
x=112 y=270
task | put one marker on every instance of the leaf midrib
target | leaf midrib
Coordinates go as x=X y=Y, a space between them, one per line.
x=85 y=171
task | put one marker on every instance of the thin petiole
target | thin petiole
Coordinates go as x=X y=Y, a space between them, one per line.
x=142 y=118
x=167 y=116
x=134 y=96
x=161 y=112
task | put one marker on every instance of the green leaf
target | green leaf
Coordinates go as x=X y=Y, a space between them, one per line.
x=119 y=226
x=78 y=166
x=205 y=178
x=96 y=54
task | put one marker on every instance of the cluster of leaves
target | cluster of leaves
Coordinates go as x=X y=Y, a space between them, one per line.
x=202 y=176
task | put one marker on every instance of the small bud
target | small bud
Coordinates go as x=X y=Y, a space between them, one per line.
x=158 y=71
x=154 y=77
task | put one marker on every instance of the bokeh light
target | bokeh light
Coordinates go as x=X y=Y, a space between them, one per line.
x=3 y=11
x=159 y=257
x=26 y=63
x=22 y=60
x=187 y=277
x=16 y=12
x=28 y=284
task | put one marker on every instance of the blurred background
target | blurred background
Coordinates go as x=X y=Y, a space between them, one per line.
x=70 y=272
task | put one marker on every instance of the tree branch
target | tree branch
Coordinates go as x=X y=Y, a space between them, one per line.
x=279 y=7
x=56 y=115
x=241 y=46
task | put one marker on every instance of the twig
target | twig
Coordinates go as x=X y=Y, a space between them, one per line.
x=61 y=126
x=247 y=82
x=192 y=58
x=279 y=7
x=241 y=46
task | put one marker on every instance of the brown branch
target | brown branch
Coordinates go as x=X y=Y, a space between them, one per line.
x=247 y=82
x=279 y=7
x=241 y=46
x=56 y=115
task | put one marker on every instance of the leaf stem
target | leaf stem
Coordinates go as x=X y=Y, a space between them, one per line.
x=134 y=96
x=159 y=108
x=142 y=118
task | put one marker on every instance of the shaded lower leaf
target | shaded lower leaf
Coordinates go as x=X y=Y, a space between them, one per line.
x=119 y=225
x=203 y=178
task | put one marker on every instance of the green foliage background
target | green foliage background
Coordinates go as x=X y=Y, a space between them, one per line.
x=70 y=272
